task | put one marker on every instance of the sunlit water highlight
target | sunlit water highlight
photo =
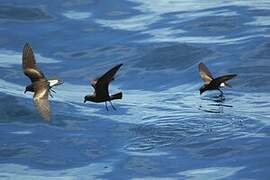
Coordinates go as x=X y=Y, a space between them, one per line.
x=163 y=128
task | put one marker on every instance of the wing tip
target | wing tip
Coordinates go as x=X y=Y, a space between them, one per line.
x=201 y=63
x=47 y=118
x=201 y=66
x=27 y=50
x=233 y=75
x=116 y=68
x=45 y=115
x=27 y=45
x=119 y=65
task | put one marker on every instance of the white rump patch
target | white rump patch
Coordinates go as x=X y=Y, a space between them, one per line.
x=222 y=85
x=53 y=82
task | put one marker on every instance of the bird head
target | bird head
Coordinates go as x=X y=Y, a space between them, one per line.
x=85 y=99
x=90 y=98
x=27 y=88
x=202 y=89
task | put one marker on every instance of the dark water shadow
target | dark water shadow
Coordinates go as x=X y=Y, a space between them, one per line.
x=215 y=104
x=20 y=13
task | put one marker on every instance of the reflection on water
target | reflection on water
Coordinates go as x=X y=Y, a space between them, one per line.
x=215 y=104
x=163 y=128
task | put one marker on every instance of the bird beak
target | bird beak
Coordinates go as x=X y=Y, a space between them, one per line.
x=25 y=91
x=84 y=101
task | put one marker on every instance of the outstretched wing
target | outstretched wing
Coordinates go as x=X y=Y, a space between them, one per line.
x=222 y=79
x=29 y=64
x=101 y=84
x=205 y=73
x=41 y=99
x=94 y=82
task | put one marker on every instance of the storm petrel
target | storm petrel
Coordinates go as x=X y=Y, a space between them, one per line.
x=101 y=87
x=41 y=86
x=213 y=83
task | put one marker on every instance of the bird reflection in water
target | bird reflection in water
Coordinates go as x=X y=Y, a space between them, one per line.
x=215 y=104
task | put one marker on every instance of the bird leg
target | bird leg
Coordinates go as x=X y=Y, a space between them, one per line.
x=50 y=94
x=53 y=90
x=221 y=93
x=112 y=106
x=106 y=106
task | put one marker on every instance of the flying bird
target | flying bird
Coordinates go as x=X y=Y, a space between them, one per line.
x=41 y=86
x=101 y=87
x=211 y=83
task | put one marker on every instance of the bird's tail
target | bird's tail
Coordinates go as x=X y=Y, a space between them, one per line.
x=117 y=96
x=227 y=85
x=55 y=82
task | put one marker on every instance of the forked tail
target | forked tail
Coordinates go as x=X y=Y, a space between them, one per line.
x=117 y=96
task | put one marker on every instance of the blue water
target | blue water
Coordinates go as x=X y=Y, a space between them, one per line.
x=163 y=128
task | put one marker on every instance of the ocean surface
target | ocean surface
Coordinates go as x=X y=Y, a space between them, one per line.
x=162 y=129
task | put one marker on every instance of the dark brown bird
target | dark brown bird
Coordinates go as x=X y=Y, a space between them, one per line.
x=213 y=83
x=40 y=85
x=101 y=87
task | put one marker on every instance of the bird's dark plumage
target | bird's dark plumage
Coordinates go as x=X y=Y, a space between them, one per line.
x=101 y=87
x=101 y=84
x=40 y=85
x=30 y=68
x=210 y=82
x=41 y=96
x=222 y=79
x=205 y=73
